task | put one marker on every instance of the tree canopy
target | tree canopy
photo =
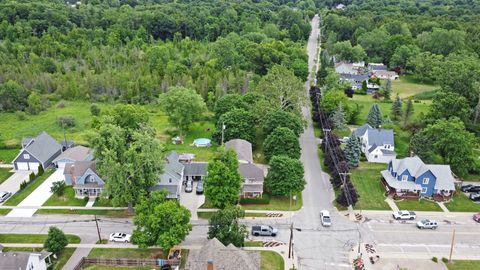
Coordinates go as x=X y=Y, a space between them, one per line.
x=285 y=176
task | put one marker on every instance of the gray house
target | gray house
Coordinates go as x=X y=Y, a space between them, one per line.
x=243 y=149
x=378 y=144
x=172 y=177
x=16 y=260
x=41 y=150
x=83 y=176
x=195 y=171
x=71 y=155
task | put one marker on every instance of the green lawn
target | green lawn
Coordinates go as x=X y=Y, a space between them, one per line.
x=4 y=211
x=208 y=215
x=22 y=194
x=7 y=155
x=366 y=179
x=253 y=244
x=461 y=203
x=408 y=86
x=271 y=260
x=114 y=267
x=418 y=205
x=103 y=202
x=98 y=212
x=68 y=199
x=277 y=203
x=4 y=174
x=144 y=253
x=33 y=238
x=463 y=265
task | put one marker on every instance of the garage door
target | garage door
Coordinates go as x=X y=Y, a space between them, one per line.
x=33 y=166
x=22 y=166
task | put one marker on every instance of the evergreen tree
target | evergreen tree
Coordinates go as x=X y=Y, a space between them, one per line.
x=353 y=150
x=387 y=90
x=397 y=108
x=374 y=117
x=408 y=112
x=338 y=117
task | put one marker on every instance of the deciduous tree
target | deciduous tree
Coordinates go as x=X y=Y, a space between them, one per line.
x=56 y=240
x=283 y=119
x=285 y=176
x=224 y=226
x=282 y=141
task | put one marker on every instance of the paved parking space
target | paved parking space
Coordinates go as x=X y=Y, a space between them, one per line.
x=12 y=184
x=191 y=200
x=38 y=197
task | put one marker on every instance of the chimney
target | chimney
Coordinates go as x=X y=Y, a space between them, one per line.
x=210 y=265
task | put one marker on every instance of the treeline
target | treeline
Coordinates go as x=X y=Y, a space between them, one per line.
x=131 y=51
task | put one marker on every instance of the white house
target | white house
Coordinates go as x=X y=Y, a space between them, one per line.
x=378 y=144
x=384 y=74
x=16 y=260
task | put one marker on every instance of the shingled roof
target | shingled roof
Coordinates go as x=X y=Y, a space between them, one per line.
x=42 y=147
x=243 y=149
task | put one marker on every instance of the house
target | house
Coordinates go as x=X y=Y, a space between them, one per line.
x=84 y=178
x=71 y=155
x=172 y=177
x=253 y=178
x=214 y=255
x=384 y=74
x=195 y=171
x=376 y=67
x=243 y=149
x=355 y=80
x=378 y=144
x=411 y=178
x=16 y=260
x=41 y=150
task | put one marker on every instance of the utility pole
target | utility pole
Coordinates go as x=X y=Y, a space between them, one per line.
x=290 y=250
x=223 y=130
x=451 y=247
x=98 y=230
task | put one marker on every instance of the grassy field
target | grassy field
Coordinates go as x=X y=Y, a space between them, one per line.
x=461 y=203
x=366 y=179
x=276 y=204
x=463 y=265
x=208 y=215
x=98 y=212
x=418 y=205
x=4 y=211
x=145 y=253
x=4 y=174
x=33 y=238
x=253 y=244
x=271 y=260
x=7 y=155
x=68 y=199
x=407 y=86
x=22 y=194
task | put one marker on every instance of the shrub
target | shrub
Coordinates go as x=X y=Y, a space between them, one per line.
x=94 y=109
x=32 y=176
x=20 y=115
x=434 y=259
x=264 y=200
x=23 y=185
x=66 y=121
x=58 y=188
x=86 y=199
x=56 y=240
x=40 y=170
x=444 y=260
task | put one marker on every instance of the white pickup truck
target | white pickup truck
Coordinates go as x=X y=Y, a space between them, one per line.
x=404 y=215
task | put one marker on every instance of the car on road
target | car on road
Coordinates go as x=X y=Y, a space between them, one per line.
x=199 y=188
x=427 y=224
x=404 y=215
x=475 y=196
x=189 y=186
x=325 y=218
x=120 y=237
x=476 y=217
x=4 y=195
x=264 y=230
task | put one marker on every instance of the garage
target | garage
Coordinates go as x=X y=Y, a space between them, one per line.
x=22 y=166
x=33 y=166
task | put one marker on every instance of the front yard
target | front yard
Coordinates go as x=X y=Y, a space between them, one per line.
x=87 y=211
x=144 y=253
x=271 y=260
x=275 y=204
x=418 y=205
x=4 y=174
x=22 y=194
x=67 y=199
x=366 y=179
x=461 y=203
x=33 y=238
x=463 y=265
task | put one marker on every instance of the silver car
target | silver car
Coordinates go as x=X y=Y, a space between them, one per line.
x=189 y=186
x=4 y=195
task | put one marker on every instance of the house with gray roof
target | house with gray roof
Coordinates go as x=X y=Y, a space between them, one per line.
x=378 y=144
x=71 y=155
x=16 y=260
x=215 y=255
x=41 y=150
x=376 y=66
x=84 y=178
x=195 y=171
x=243 y=149
x=355 y=80
x=171 y=178
x=411 y=178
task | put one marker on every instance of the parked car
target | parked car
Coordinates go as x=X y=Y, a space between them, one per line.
x=404 y=215
x=427 y=224
x=189 y=186
x=200 y=188
x=474 y=189
x=476 y=217
x=4 y=195
x=475 y=196
x=465 y=188
x=120 y=237
x=325 y=218
x=264 y=230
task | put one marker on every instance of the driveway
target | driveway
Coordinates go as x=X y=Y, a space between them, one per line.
x=38 y=197
x=12 y=184
x=191 y=200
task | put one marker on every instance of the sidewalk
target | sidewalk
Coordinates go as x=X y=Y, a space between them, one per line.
x=392 y=204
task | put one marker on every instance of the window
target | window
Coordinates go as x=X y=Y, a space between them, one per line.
x=404 y=177
x=376 y=156
x=26 y=156
x=426 y=180
x=90 y=179
x=424 y=190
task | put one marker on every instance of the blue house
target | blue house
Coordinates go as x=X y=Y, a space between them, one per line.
x=411 y=178
x=84 y=178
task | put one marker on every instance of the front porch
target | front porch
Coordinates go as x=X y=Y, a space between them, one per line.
x=82 y=192
x=400 y=193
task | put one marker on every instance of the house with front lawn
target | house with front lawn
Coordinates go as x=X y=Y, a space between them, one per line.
x=411 y=178
x=171 y=178
x=19 y=260
x=384 y=74
x=378 y=144
x=84 y=178
x=71 y=155
x=41 y=150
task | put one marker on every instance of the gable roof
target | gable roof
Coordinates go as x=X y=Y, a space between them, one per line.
x=360 y=131
x=377 y=66
x=251 y=171
x=172 y=172
x=380 y=136
x=196 y=169
x=42 y=147
x=445 y=180
x=78 y=168
x=223 y=257
x=19 y=260
x=354 y=77
x=243 y=149
x=77 y=153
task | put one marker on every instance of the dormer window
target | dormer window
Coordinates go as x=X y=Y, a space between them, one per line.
x=404 y=177
x=426 y=180
x=90 y=179
x=170 y=180
x=26 y=156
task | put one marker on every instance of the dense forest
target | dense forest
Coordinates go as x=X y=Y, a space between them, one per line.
x=131 y=51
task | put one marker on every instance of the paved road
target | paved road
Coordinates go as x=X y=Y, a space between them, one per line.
x=12 y=184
